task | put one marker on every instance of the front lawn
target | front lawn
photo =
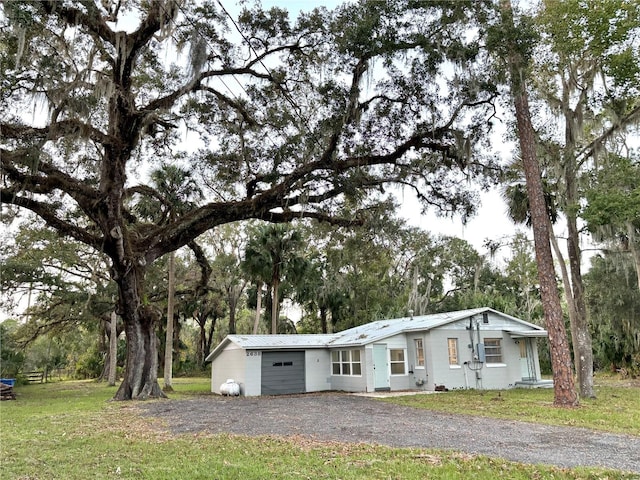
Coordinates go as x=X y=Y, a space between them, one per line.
x=616 y=407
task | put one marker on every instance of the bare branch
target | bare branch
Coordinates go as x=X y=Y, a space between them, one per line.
x=52 y=180
x=196 y=84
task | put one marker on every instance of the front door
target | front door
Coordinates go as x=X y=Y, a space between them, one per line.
x=527 y=368
x=381 y=368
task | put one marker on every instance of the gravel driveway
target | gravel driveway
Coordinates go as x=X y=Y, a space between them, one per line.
x=348 y=418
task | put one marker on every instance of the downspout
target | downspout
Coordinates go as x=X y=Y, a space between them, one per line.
x=466 y=380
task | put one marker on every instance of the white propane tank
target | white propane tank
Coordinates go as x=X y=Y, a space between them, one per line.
x=230 y=388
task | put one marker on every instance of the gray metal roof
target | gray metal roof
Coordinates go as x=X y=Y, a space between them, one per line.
x=266 y=342
x=375 y=331
x=272 y=342
x=368 y=333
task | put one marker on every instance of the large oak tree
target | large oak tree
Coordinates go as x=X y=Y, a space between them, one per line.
x=281 y=120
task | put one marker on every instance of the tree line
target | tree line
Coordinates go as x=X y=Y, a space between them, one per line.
x=332 y=279
x=337 y=279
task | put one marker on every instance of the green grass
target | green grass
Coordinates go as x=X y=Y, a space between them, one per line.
x=188 y=387
x=70 y=430
x=615 y=409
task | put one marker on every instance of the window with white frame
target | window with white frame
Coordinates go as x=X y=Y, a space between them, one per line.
x=452 y=345
x=346 y=362
x=419 y=352
x=493 y=350
x=397 y=361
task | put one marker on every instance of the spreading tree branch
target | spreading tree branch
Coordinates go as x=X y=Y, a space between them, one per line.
x=48 y=213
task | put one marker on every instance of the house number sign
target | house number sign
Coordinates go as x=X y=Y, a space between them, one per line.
x=253 y=353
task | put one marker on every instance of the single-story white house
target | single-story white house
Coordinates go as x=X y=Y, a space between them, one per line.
x=479 y=348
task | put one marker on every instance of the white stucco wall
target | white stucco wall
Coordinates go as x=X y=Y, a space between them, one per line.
x=470 y=374
x=419 y=379
x=441 y=373
x=229 y=364
x=253 y=373
x=429 y=358
x=350 y=383
x=355 y=383
x=317 y=370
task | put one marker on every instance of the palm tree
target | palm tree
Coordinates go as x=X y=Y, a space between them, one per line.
x=316 y=292
x=175 y=190
x=256 y=265
x=273 y=254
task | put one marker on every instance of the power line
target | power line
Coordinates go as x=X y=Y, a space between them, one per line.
x=286 y=94
x=220 y=79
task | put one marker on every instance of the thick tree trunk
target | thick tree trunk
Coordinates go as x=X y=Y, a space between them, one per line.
x=580 y=333
x=564 y=388
x=563 y=383
x=568 y=291
x=566 y=282
x=141 y=371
